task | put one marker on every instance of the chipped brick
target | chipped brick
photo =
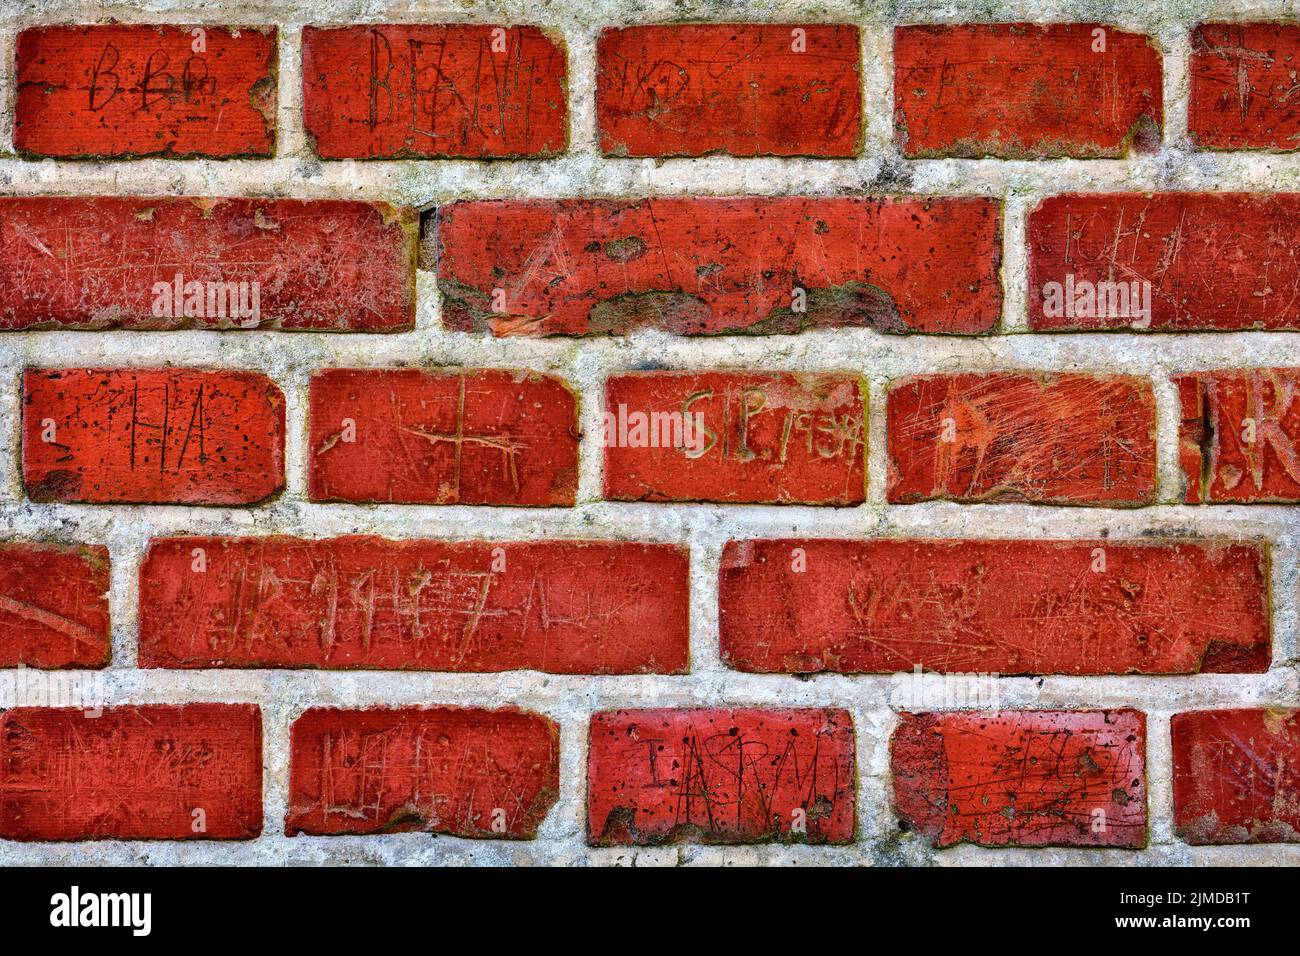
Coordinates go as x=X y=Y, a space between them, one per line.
x=709 y=266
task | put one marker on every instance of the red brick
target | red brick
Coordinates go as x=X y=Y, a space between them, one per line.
x=748 y=437
x=720 y=776
x=1243 y=78
x=1010 y=607
x=463 y=772
x=1023 y=777
x=141 y=90
x=1025 y=91
x=1238 y=435
x=389 y=92
x=159 y=435
x=1042 y=438
x=708 y=265
x=471 y=437
x=95 y=263
x=566 y=607
x=1237 y=776
x=1214 y=261
x=152 y=772
x=53 y=605
x=741 y=89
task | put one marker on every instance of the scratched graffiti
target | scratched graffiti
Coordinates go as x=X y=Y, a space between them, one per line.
x=384 y=771
x=1011 y=607
x=104 y=262
x=1237 y=776
x=1026 y=778
x=763 y=437
x=151 y=435
x=1026 y=91
x=164 y=772
x=1238 y=435
x=53 y=605
x=1243 y=86
x=420 y=91
x=720 y=776
x=1214 y=261
x=1047 y=439
x=744 y=90
x=562 y=607
x=412 y=436
x=142 y=90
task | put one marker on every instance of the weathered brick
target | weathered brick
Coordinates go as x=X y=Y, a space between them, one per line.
x=463 y=772
x=1025 y=91
x=750 y=437
x=1238 y=435
x=413 y=91
x=1061 y=439
x=1196 y=261
x=160 y=435
x=1023 y=777
x=570 y=607
x=708 y=265
x=127 y=90
x=164 y=263
x=53 y=605
x=1237 y=776
x=473 y=437
x=1243 y=78
x=742 y=89
x=153 y=772
x=720 y=776
x=1009 y=607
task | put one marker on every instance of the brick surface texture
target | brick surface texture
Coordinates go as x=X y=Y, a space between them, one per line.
x=618 y=433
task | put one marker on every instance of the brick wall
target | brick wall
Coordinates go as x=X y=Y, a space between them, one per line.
x=616 y=424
